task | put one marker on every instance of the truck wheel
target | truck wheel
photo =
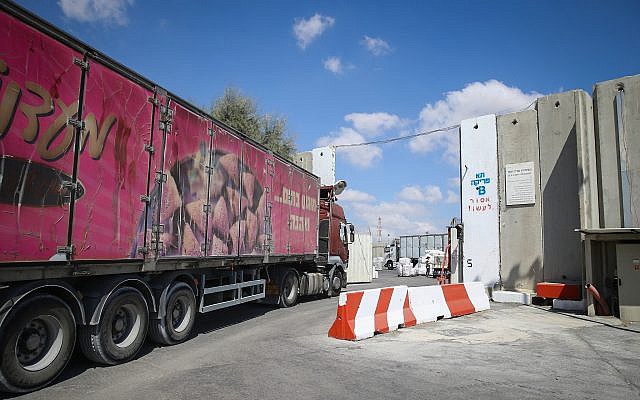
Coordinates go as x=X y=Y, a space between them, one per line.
x=335 y=284
x=180 y=314
x=289 y=289
x=389 y=264
x=37 y=342
x=121 y=331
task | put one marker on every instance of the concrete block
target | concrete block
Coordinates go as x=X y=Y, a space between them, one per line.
x=479 y=166
x=503 y=296
x=608 y=131
x=560 y=123
x=569 y=305
x=520 y=225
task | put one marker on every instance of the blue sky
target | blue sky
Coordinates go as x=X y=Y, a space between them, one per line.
x=353 y=71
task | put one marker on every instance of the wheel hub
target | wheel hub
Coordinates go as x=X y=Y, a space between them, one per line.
x=120 y=325
x=177 y=314
x=33 y=342
x=39 y=343
x=336 y=283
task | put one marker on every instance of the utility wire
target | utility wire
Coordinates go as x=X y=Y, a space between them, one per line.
x=425 y=133
x=398 y=138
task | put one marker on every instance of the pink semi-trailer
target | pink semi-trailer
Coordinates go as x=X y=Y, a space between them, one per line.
x=124 y=211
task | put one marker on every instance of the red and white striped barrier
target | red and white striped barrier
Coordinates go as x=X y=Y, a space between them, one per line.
x=431 y=303
x=361 y=314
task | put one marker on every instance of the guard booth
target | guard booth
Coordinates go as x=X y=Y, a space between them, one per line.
x=612 y=265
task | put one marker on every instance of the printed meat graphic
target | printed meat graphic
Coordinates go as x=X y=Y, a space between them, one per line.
x=230 y=214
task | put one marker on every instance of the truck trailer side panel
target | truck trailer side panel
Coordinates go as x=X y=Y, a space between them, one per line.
x=156 y=178
x=112 y=165
x=39 y=88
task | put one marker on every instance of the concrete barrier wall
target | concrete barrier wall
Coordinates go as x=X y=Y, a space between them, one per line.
x=520 y=225
x=479 y=180
x=360 y=259
x=560 y=184
x=575 y=145
x=607 y=132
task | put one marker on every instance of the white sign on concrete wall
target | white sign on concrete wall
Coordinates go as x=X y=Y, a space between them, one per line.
x=520 y=184
x=324 y=164
x=479 y=166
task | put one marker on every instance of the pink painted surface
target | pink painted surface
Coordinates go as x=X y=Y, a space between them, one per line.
x=281 y=209
x=113 y=165
x=185 y=190
x=224 y=194
x=35 y=149
x=311 y=190
x=39 y=90
x=254 y=199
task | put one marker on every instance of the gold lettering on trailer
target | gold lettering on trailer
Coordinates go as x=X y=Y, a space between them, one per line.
x=57 y=139
x=96 y=140
x=30 y=133
x=8 y=107
x=59 y=126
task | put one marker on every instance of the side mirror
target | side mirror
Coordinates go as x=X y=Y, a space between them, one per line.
x=352 y=235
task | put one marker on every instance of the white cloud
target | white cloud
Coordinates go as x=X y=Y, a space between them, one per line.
x=376 y=46
x=356 y=196
x=373 y=124
x=360 y=156
x=107 y=11
x=454 y=182
x=476 y=99
x=333 y=64
x=429 y=193
x=398 y=218
x=452 y=197
x=307 y=30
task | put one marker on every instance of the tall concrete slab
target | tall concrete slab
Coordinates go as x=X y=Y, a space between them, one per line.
x=521 y=259
x=560 y=124
x=617 y=119
x=587 y=162
x=479 y=166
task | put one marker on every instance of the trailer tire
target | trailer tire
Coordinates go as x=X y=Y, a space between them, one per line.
x=289 y=289
x=335 y=283
x=179 y=316
x=122 y=329
x=37 y=342
x=389 y=264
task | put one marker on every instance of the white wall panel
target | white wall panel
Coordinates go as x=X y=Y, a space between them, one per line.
x=479 y=162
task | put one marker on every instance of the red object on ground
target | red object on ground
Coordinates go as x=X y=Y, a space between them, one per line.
x=564 y=291
x=603 y=308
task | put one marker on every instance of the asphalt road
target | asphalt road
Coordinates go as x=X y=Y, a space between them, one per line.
x=259 y=352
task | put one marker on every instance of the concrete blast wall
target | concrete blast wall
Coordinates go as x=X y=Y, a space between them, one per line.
x=564 y=123
x=617 y=116
x=573 y=162
x=520 y=224
x=547 y=185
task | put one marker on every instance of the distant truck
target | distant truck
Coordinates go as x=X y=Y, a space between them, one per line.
x=124 y=210
x=413 y=247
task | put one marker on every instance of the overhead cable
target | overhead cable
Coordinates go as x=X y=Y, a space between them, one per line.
x=425 y=133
